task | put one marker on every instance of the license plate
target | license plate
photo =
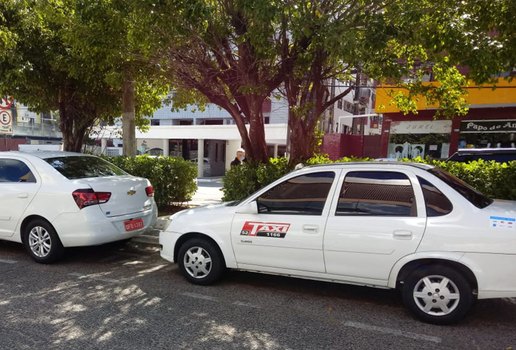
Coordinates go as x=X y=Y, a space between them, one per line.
x=133 y=225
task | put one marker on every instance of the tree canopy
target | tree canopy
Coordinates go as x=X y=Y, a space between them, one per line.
x=74 y=56
x=237 y=53
x=88 y=58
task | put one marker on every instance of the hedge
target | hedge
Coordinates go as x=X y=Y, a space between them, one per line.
x=496 y=180
x=173 y=178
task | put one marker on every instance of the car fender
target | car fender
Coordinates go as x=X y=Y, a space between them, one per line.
x=214 y=222
x=449 y=256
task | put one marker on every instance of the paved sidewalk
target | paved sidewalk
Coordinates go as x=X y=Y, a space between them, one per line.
x=208 y=192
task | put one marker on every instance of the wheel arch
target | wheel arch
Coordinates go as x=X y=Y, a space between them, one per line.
x=191 y=235
x=413 y=265
x=29 y=219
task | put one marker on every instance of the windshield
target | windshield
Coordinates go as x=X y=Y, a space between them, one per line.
x=475 y=197
x=81 y=167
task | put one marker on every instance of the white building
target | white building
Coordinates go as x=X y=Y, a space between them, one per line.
x=209 y=137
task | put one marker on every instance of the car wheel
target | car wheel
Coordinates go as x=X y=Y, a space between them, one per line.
x=201 y=261
x=42 y=242
x=438 y=295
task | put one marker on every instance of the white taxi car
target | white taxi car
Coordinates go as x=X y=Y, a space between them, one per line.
x=385 y=225
x=53 y=200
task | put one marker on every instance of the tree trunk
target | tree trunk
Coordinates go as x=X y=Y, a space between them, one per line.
x=128 y=119
x=302 y=139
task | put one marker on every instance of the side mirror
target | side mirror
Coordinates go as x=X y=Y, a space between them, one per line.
x=248 y=208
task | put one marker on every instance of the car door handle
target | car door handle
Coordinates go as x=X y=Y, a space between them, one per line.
x=402 y=234
x=23 y=195
x=310 y=228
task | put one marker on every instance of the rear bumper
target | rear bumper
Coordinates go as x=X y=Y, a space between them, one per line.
x=91 y=227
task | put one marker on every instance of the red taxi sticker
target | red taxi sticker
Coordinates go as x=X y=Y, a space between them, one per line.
x=265 y=229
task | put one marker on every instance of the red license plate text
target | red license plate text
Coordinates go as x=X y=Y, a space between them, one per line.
x=133 y=225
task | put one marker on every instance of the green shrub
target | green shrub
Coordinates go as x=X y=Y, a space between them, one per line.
x=496 y=180
x=173 y=178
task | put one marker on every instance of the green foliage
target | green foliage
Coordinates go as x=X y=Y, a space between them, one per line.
x=496 y=180
x=241 y=181
x=173 y=178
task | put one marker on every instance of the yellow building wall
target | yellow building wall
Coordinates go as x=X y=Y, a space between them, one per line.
x=486 y=96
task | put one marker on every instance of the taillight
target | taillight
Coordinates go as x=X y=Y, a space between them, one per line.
x=150 y=191
x=86 y=197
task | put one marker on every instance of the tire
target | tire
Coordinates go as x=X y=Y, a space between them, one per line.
x=42 y=242
x=201 y=261
x=438 y=295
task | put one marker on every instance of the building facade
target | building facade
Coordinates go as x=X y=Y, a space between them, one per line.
x=19 y=126
x=489 y=123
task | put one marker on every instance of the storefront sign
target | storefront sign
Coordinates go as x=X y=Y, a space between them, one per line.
x=422 y=127
x=491 y=126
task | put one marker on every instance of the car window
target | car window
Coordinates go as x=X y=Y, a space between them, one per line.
x=300 y=195
x=376 y=193
x=436 y=203
x=13 y=170
x=80 y=167
x=472 y=195
x=501 y=157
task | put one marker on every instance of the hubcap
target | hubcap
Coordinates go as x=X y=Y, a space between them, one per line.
x=197 y=262
x=436 y=295
x=39 y=241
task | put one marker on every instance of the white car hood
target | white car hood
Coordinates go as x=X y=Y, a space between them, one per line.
x=196 y=219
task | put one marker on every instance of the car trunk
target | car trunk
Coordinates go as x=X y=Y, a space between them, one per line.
x=128 y=194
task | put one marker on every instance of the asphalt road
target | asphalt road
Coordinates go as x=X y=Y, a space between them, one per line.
x=126 y=297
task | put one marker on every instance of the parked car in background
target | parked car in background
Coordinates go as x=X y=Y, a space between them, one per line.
x=471 y=154
x=379 y=224
x=53 y=200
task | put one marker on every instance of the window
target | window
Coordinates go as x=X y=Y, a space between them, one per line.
x=437 y=204
x=472 y=195
x=301 y=195
x=376 y=193
x=12 y=170
x=80 y=167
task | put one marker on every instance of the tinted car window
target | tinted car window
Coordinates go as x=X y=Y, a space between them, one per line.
x=472 y=195
x=500 y=157
x=437 y=204
x=376 y=193
x=80 y=167
x=301 y=195
x=12 y=170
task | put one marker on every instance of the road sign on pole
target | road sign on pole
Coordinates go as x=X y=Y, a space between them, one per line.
x=6 y=103
x=6 y=122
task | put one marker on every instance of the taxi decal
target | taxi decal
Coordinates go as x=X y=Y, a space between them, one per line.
x=265 y=229
x=500 y=222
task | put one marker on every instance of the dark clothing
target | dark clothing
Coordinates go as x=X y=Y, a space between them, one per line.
x=237 y=162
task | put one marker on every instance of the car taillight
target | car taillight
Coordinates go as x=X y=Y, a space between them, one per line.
x=150 y=191
x=86 y=197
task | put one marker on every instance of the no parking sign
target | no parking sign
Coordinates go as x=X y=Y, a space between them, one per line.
x=6 y=103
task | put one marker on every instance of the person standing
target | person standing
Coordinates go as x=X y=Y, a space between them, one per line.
x=240 y=158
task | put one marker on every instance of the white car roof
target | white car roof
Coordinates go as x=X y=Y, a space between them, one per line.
x=44 y=154
x=372 y=164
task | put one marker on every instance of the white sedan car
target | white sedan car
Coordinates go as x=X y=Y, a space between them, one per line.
x=384 y=225
x=52 y=200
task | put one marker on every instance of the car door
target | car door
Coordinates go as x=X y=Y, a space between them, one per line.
x=18 y=186
x=377 y=218
x=287 y=232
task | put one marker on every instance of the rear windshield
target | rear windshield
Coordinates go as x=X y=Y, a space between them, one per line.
x=475 y=197
x=81 y=167
x=497 y=157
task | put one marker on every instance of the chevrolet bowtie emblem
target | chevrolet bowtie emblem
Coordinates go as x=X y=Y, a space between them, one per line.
x=131 y=192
